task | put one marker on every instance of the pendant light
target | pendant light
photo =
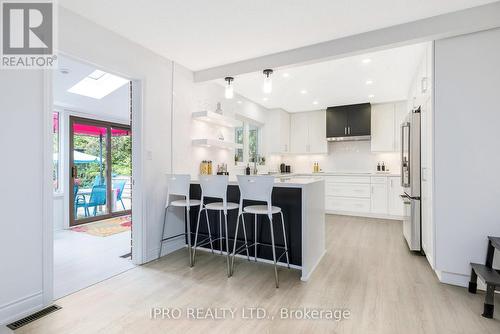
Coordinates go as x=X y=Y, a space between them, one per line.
x=267 y=88
x=229 y=92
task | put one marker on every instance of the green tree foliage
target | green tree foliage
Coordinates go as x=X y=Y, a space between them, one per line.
x=121 y=157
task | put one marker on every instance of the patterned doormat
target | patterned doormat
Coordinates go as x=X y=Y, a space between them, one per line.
x=105 y=228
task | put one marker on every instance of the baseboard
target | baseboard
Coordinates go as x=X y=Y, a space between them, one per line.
x=20 y=308
x=306 y=278
x=363 y=214
x=453 y=278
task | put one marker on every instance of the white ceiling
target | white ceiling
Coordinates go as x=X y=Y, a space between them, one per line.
x=200 y=34
x=113 y=107
x=337 y=82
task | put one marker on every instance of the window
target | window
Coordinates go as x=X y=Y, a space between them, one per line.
x=249 y=136
x=238 y=139
x=253 y=143
x=56 y=166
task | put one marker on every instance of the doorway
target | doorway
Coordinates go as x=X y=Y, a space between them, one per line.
x=100 y=170
x=95 y=157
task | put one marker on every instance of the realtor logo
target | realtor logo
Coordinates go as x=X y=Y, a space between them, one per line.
x=28 y=34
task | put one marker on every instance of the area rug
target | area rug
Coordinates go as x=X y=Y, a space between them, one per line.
x=105 y=228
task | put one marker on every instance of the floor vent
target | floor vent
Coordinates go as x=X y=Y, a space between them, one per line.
x=35 y=316
x=126 y=256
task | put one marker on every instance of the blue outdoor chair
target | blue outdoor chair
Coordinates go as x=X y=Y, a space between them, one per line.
x=97 y=198
x=79 y=199
x=120 y=185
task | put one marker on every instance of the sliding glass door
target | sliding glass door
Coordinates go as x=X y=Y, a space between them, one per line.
x=100 y=170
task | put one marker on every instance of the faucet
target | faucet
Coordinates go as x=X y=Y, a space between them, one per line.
x=255 y=158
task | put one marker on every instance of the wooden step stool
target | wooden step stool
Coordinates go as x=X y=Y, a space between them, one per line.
x=490 y=276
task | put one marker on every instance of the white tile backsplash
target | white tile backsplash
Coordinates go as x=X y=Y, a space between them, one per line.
x=355 y=156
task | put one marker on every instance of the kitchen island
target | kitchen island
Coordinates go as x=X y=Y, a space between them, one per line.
x=302 y=202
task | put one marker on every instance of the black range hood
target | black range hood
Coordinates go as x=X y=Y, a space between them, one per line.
x=349 y=123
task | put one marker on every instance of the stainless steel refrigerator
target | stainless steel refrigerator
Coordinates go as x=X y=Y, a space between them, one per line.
x=410 y=179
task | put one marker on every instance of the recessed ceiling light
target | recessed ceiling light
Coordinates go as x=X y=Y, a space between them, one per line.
x=239 y=102
x=367 y=61
x=369 y=82
x=265 y=99
x=315 y=102
x=303 y=91
x=371 y=96
x=98 y=84
x=285 y=75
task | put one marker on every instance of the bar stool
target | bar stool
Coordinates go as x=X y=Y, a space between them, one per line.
x=259 y=188
x=178 y=185
x=215 y=186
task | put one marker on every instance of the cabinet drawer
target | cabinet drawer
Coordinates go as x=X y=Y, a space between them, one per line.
x=378 y=179
x=347 y=204
x=347 y=179
x=348 y=190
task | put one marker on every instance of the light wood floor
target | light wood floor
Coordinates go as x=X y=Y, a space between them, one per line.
x=367 y=269
x=81 y=259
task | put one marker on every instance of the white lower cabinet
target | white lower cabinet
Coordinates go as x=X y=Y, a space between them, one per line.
x=364 y=195
x=396 y=206
x=379 y=198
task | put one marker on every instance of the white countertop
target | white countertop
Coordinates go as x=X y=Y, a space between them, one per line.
x=335 y=173
x=288 y=181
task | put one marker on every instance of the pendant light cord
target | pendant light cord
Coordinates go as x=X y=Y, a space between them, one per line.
x=172 y=122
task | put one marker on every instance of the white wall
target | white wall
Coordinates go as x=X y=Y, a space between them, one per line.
x=21 y=111
x=21 y=224
x=467 y=151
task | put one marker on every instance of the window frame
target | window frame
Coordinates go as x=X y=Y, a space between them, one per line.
x=60 y=177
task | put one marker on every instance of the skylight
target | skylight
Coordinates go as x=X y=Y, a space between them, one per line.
x=98 y=84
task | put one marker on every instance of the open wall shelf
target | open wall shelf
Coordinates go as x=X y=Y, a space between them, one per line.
x=215 y=118
x=215 y=143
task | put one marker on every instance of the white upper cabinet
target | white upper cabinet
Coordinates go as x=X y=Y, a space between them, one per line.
x=308 y=132
x=299 y=132
x=382 y=127
x=400 y=112
x=317 y=132
x=386 y=122
x=278 y=131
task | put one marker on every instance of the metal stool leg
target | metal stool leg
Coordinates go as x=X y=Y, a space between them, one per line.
x=209 y=232
x=274 y=251
x=227 y=245
x=162 y=231
x=284 y=238
x=245 y=235
x=234 y=244
x=196 y=234
x=187 y=215
x=255 y=241
x=220 y=232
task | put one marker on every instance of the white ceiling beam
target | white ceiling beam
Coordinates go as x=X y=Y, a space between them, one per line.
x=438 y=27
